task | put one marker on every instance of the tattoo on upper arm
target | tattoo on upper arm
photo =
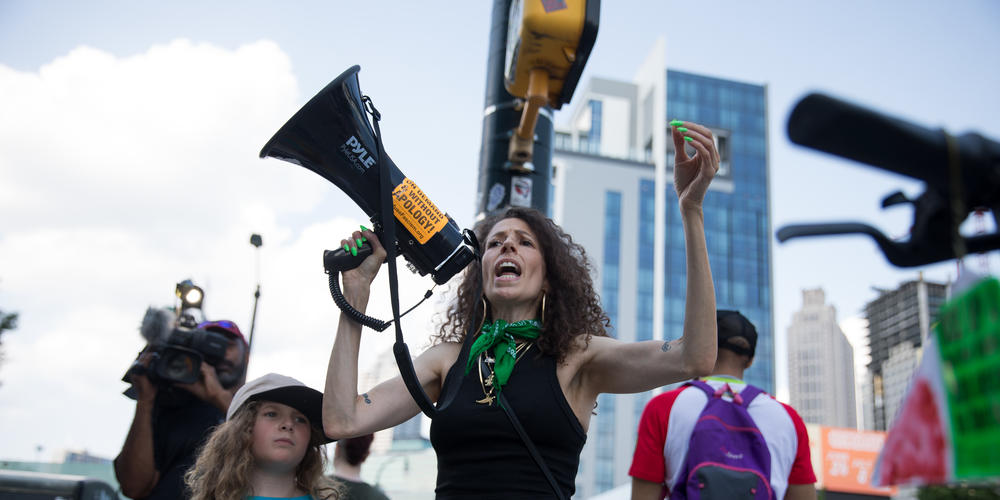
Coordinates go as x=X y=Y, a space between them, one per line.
x=666 y=346
x=368 y=400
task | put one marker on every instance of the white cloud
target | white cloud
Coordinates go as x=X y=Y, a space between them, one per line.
x=122 y=176
x=158 y=139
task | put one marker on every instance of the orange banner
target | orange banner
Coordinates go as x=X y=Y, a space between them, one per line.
x=847 y=460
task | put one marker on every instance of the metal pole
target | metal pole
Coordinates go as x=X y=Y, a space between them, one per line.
x=499 y=185
x=256 y=241
x=253 y=319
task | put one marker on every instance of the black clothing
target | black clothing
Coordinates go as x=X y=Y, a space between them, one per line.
x=359 y=490
x=181 y=424
x=479 y=453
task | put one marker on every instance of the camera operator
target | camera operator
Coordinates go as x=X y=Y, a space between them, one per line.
x=173 y=419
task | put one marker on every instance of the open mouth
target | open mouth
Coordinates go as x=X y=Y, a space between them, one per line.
x=507 y=269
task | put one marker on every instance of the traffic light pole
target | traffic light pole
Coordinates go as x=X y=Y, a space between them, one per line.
x=501 y=183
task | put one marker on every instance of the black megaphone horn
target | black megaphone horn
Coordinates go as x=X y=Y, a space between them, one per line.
x=331 y=136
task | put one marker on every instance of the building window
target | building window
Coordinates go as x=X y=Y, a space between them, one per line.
x=595 y=122
x=605 y=459
x=612 y=255
x=564 y=141
x=644 y=291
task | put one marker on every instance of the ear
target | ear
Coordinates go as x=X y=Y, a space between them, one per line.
x=749 y=362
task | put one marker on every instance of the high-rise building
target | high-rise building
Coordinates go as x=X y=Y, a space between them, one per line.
x=867 y=402
x=605 y=195
x=898 y=323
x=820 y=364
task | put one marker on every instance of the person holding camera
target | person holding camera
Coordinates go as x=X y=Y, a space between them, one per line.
x=173 y=416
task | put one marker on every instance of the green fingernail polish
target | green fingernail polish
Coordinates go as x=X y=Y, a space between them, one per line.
x=686 y=138
x=676 y=123
x=358 y=240
x=354 y=251
x=363 y=228
x=347 y=248
x=682 y=129
x=363 y=239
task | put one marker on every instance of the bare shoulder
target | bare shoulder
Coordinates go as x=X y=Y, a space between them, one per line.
x=594 y=343
x=584 y=349
x=445 y=348
x=442 y=355
x=576 y=373
x=599 y=354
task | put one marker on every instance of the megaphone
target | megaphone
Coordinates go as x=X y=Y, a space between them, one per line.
x=331 y=136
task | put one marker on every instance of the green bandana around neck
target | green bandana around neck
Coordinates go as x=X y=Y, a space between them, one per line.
x=499 y=336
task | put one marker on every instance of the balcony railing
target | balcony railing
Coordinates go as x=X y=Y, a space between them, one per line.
x=583 y=145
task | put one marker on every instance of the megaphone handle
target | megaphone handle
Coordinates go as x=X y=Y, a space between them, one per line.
x=341 y=260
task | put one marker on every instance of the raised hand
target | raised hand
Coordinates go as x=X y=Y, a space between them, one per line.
x=357 y=281
x=693 y=174
x=144 y=388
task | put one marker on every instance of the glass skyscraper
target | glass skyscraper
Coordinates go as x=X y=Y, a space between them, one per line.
x=605 y=197
x=737 y=220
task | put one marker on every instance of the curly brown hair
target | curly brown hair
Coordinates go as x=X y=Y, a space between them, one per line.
x=225 y=464
x=572 y=307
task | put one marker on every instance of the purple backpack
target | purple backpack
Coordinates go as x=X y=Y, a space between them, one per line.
x=727 y=457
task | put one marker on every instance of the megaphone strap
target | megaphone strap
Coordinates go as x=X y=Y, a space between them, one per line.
x=334 y=265
x=400 y=351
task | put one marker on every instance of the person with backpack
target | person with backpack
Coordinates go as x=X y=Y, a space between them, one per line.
x=720 y=438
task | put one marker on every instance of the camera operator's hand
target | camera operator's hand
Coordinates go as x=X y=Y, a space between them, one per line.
x=209 y=389
x=145 y=390
x=357 y=281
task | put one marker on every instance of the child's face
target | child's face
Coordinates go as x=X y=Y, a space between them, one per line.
x=280 y=436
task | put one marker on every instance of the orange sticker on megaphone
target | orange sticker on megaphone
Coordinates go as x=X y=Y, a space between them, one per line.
x=416 y=211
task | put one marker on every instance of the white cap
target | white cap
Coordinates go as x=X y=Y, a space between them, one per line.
x=285 y=390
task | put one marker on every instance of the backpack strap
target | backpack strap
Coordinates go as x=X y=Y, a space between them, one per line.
x=749 y=393
x=742 y=398
x=701 y=384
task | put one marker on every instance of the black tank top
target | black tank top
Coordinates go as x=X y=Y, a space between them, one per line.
x=481 y=456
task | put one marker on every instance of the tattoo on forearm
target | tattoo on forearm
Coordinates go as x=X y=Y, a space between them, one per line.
x=368 y=400
x=665 y=347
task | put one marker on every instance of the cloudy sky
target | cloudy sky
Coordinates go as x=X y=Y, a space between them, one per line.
x=130 y=132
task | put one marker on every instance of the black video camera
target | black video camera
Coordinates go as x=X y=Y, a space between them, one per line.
x=177 y=351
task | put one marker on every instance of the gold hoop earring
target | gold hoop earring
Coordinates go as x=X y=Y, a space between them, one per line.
x=483 y=321
x=543 y=307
